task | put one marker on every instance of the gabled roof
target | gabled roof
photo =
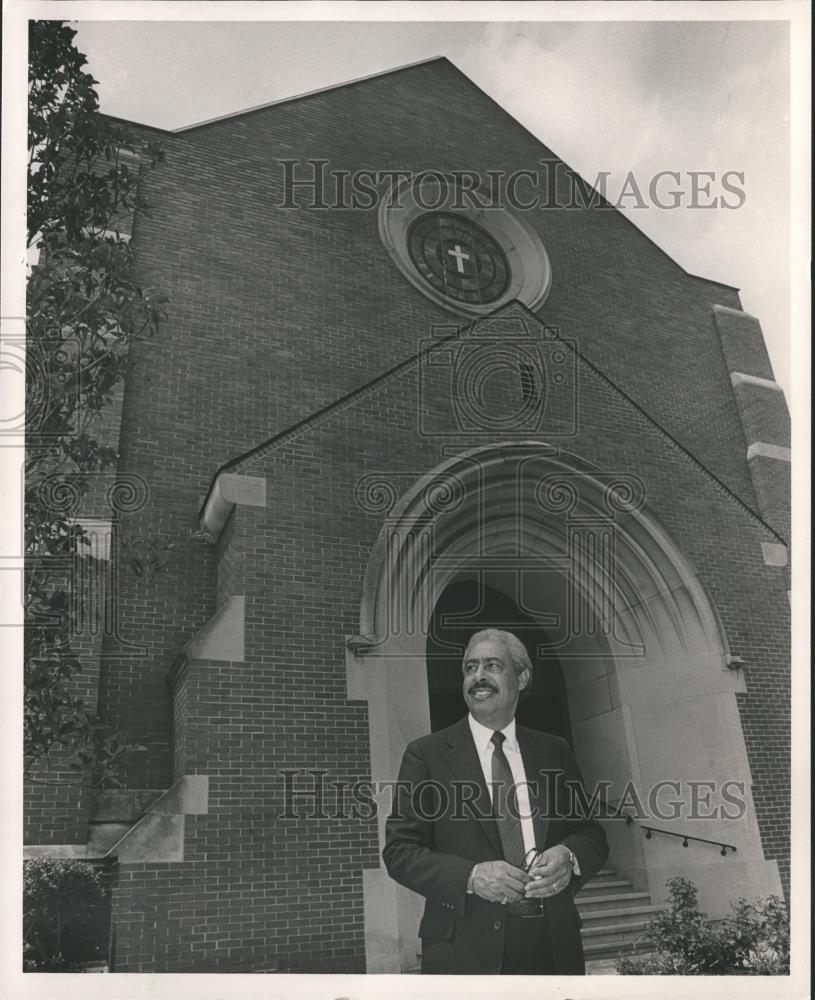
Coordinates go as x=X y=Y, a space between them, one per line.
x=314 y=93
x=233 y=116
x=289 y=100
x=240 y=463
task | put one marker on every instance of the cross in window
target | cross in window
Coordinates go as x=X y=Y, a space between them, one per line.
x=460 y=256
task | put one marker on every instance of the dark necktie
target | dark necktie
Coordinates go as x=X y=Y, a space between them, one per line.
x=505 y=810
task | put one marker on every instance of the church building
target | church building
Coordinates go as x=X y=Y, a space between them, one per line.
x=417 y=379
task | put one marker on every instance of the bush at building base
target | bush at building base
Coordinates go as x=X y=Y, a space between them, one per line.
x=753 y=940
x=61 y=906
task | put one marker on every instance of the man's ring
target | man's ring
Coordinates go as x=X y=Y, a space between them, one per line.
x=504 y=901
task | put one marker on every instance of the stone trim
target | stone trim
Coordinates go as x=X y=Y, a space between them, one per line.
x=78 y=852
x=229 y=490
x=115 y=234
x=530 y=271
x=159 y=835
x=738 y=378
x=128 y=156
x=774 y=554
x=742 y=342
x=318 y=417
x=730 y=311
x=308 y=93
x=764 y=450
x=223 y=636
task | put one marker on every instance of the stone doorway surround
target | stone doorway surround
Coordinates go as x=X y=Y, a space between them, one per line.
x=645 y=660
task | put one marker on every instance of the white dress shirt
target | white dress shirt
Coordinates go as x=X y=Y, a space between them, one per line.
x=485 y=747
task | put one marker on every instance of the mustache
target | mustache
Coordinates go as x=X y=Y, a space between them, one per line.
x=482 y=686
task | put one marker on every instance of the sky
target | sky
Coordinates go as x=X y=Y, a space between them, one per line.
x=613 y=95
x=621 y=97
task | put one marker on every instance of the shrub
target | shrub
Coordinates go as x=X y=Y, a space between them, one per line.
x=61 y=901
x=752 y=941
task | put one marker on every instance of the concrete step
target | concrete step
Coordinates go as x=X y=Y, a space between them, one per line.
x=610 y=901
x=612 y=877
x=618 y=933
x=592 y=917
x=607 y=885
x=601 y=966
x=599 y=953
x=604 y=874
x=615 y=916
x=603 y=888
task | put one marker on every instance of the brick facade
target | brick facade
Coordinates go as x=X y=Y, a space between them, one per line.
x=276 y=314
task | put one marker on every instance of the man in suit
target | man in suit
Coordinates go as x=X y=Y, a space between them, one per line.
x=483 y=826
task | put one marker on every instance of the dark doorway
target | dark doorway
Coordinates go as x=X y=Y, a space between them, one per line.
x=465 y=608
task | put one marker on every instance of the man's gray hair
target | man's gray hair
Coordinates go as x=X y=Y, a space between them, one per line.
x=511 y=643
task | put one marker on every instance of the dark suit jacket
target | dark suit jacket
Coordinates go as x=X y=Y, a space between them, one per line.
x=431 y=850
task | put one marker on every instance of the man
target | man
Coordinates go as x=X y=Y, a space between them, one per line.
x=458 y=837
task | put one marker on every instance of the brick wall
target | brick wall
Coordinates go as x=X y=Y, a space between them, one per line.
x=773 y=491
x=304 y=558
x=275 y=313
x=764 y=414
x=257 y=891
x=57 y=800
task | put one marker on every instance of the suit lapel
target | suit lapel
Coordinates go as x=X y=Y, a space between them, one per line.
x=466 y=766
x=536 y=760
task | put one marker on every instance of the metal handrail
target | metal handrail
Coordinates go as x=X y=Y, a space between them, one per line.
x=650 y=830
x=684 y=837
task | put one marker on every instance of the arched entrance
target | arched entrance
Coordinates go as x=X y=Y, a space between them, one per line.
x=642 y=656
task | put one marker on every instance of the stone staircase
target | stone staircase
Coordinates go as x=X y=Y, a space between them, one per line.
x=614 y=915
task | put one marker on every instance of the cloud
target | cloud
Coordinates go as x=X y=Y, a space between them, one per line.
x=667 y=96
x=617 y=96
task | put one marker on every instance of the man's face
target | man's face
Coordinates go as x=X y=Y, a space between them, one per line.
x=491 y=686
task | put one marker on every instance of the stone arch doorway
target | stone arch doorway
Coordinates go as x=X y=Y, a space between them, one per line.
x=488 y=601
x=643 y=657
